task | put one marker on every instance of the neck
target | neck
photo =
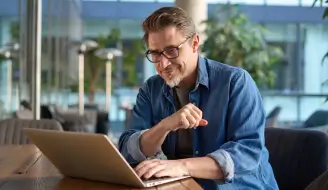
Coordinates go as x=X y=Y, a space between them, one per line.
x=190 y=80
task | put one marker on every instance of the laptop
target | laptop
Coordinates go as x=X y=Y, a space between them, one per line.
x=89 y=156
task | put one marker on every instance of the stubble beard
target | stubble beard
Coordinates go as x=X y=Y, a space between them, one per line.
x=174 y=81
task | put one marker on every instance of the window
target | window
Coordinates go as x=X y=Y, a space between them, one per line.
x=283 y=36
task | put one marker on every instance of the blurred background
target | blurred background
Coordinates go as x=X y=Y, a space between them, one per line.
x=282 y=43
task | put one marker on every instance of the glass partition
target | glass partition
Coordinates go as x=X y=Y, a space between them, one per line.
x=61 y=24
x=294 y=106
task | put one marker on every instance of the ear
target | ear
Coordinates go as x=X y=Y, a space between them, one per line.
x=195 y=43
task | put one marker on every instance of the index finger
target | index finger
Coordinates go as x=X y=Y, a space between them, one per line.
x=195 y=108
x=144 y=163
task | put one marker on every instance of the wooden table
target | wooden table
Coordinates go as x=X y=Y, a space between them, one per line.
x=25 y=167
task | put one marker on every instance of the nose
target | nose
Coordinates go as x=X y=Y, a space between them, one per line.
x=164 y=62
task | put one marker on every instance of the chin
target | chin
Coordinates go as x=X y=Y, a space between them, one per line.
x=173 y=82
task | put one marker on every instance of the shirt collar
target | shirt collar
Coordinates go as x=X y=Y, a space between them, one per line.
x=202 y=75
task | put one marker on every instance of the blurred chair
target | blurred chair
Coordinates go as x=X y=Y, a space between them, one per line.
x=26 y=112
x=69 y=120
x=320 y=183
x=323 y=128
x=297 y=156
x=76 y=122
x=26 y=105
x=11 y=129
x=2 y=110
x=102 y=124
x=128 y=116
x=23 y=114
x=272 y=117
x=318 y=118
x=45 y=114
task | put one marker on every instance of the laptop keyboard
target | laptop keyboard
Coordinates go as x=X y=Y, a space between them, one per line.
x=154 y=179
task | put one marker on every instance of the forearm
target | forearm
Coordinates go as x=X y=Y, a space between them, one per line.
x=203 y=167
x=152 y=140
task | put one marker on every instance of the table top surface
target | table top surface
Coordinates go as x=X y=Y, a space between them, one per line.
x=25 y=167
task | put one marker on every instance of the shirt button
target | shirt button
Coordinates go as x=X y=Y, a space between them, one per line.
x=194 y=103
x=196 y=152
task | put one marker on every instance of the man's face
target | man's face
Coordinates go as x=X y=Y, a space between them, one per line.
x=172 y=53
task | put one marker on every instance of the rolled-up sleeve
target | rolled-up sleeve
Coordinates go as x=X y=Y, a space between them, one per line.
x=242 y=151
x=129 y=141
x=133 y=146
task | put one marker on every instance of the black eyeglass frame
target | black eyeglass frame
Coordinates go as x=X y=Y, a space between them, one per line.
x=161 y=53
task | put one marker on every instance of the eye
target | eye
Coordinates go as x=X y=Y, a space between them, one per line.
x=172 y=52
x=153 y=52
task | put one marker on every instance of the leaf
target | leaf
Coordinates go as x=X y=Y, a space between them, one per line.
x=324 y=57
x=325 y=83
x=233 y=39
x=320 y=1
x=313 y=4
x=325 y=13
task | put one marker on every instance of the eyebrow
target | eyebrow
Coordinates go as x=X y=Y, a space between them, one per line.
x=167 y=47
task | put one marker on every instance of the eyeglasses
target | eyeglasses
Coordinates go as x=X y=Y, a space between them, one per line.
x=169 y=53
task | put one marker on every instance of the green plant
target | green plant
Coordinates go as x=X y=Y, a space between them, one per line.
x=129 y=59
x=322 y=2
x=324 y=16
x=95 y=66
x=15 y=38
x=232 y=39
x=14 y=35
x=2 y=58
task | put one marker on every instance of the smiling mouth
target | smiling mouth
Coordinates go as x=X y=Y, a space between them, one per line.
x=170 y=71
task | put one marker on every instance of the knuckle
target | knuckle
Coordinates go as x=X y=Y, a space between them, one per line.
x=192 y=121
x=181 y=121
x=185 y=110
x=188 y=106
x=185 y=124
x=147 y=174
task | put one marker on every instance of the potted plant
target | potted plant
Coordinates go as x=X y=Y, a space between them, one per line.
x=95 y=66
x=324 y=16
x=232 y=39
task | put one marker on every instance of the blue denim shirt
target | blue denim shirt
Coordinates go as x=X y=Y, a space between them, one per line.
x=234 y=136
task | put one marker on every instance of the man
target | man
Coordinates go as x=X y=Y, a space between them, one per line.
x=205 y=117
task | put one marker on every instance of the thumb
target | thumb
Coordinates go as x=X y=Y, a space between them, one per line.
x=203 y=122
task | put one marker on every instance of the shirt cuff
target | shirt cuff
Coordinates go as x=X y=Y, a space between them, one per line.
x=223 y=158
x=133 y=147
